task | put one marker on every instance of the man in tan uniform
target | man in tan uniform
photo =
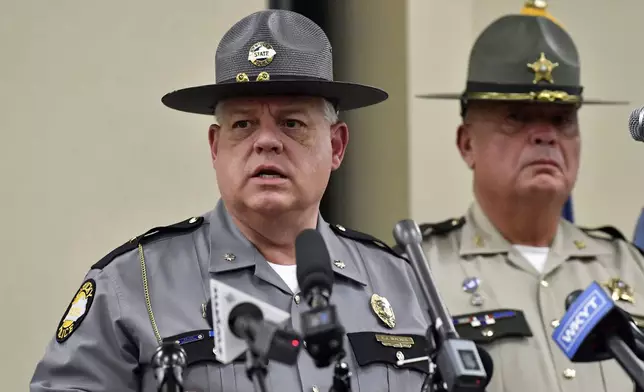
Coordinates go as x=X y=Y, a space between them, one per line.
x=507 y=266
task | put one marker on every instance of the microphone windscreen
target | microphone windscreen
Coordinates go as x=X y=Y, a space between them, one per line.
x=572 y=297
x=313 y=262
x=636 y=124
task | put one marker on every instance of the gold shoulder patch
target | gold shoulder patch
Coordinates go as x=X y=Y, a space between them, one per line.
x=76 y=311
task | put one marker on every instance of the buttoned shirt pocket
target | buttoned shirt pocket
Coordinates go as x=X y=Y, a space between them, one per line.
x=376 y=356
x=507 y=337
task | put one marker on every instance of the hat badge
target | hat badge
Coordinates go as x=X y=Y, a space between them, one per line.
x=543 y=69
x=261 y=54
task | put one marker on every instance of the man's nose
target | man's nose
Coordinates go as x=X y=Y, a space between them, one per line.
x=268 y=140
x=545 y=135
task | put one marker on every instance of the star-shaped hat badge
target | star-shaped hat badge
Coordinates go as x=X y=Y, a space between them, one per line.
x=543 y=69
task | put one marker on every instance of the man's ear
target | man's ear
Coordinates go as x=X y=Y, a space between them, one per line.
x=213 y=139
x=339 y=142
x=464 y=144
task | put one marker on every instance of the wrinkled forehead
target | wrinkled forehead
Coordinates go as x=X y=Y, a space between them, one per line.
x=276 y=104
x=531 y=108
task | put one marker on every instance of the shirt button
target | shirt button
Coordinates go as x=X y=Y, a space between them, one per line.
x=297 y=299
x=315 y=388
x=569 y=373
x=554 y=323
x=544 y=283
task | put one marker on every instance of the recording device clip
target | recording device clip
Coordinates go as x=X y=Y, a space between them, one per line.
x=458 y=363
x=321 y=328
x=169 y=361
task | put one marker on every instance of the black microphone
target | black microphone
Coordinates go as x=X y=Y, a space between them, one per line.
x=638 y=336
x=265 y=339
x=458 y=360
x=593 y=329
x=169 y=361
x=321 y=328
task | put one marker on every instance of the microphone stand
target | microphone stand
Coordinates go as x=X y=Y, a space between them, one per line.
x=460 y=368
x=256 y=370
x=169 y=361
x=342 y=378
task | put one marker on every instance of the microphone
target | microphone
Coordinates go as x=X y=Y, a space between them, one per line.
x=458 y=360
x=265 y=339
x=594 y=329
x=638 y=336
x=636 y=124
x=321 y=328
x=169 y=361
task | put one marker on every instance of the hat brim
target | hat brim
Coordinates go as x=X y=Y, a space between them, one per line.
x=203 y=99
x=454 y=96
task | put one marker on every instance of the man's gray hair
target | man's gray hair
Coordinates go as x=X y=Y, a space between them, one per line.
x=330 y=113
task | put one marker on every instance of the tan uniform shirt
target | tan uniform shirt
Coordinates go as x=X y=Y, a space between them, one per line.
x=517 y=307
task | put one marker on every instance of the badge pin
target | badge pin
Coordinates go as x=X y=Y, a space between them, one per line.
x=476 y=299
x=471 y=285
x=382 y=308
x=543 y=69
x=261 y=54
x=241 y=77
x=230 y=257
x=339 y=263
x=579 y=244
x=620 y=290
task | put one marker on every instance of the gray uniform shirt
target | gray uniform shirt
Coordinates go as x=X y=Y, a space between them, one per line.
x=511 y=309
x=106 y=340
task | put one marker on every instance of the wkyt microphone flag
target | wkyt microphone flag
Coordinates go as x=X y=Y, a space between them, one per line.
x=584 y=314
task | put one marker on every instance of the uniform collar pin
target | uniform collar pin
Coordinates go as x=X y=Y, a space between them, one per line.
x=339 y=263
x=478 y=241
x=230 y=257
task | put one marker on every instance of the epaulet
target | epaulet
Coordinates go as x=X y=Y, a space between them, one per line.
x=440 y=228
x=606 y=232
x=364 y=238
x=609 y=233
x=183 y=227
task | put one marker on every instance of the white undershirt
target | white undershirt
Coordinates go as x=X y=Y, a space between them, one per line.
x=288 y=273
x=535 y=255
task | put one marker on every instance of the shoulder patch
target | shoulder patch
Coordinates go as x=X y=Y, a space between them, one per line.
x=439 y=228
x=183 y=227
x=364 y=238
x=606 y=232
x=76 y=311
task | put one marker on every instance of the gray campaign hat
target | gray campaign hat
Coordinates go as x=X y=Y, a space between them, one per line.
x=273 y=52
x=524 y=57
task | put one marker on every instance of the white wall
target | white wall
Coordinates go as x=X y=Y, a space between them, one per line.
x=89 y=155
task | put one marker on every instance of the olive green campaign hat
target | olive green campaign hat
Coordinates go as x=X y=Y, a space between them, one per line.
x=524 y=57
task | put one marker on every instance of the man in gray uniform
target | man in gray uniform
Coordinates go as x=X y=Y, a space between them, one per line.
x=506 y=267
x=276 y=141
